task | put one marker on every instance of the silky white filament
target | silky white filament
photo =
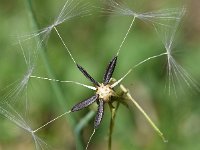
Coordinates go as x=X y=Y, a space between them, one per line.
x=55 y=80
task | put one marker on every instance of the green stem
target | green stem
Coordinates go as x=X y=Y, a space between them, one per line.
x=113 y=111
x=56 y=89
x=144 y=113
x=79 y=128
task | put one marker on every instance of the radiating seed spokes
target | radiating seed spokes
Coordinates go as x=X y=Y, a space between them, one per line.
x=103 y=91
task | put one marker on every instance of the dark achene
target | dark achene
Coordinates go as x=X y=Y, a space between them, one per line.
x=103 y=93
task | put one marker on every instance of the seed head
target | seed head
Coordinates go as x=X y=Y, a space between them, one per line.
x=105 y=92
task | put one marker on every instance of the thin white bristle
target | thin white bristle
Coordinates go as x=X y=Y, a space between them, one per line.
x=90 y=139
x=149 y=58
x=51 y=121
x=55 y=80
x=11 y=114
x=147 y=117
x=117 y=82
x=65 y=45
x=23 y=53
x=126 y=35
x=62 y=11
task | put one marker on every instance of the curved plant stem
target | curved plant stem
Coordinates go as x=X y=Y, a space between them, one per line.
x=113 y=110
x=144 y=113
x=56 y=89
x=79 y=128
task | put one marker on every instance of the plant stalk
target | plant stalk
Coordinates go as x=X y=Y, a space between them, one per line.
x=56 y=89
x=113 y=110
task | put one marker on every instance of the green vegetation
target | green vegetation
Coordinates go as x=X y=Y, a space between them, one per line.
x=93 y=38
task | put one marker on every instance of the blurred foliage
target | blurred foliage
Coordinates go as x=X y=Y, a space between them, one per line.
x=93 y=40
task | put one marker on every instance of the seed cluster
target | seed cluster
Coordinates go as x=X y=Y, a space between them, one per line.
x=103 y=94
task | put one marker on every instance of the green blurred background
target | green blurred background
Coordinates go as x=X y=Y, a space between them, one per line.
x=93 y=40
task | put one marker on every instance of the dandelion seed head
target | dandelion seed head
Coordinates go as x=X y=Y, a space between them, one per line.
x=162 y=19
